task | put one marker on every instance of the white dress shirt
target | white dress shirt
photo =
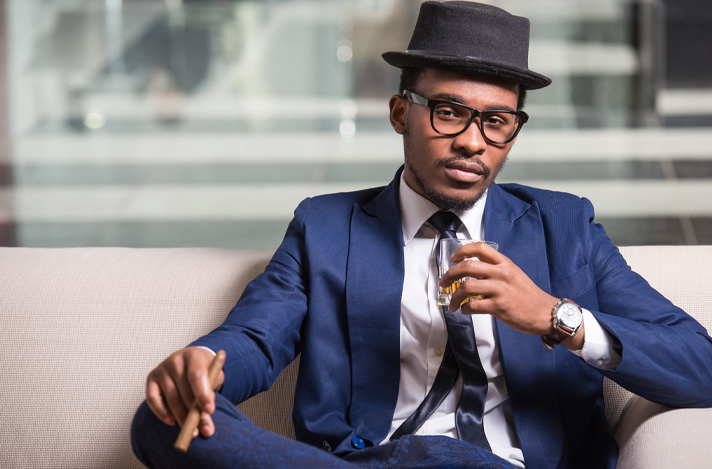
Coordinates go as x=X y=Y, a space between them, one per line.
x=423 y=334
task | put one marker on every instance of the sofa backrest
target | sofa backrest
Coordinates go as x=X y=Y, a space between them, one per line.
x=81 y=328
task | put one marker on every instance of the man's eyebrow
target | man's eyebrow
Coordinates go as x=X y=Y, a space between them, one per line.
x=458 y=100
x=500 y=108
x=448 y=97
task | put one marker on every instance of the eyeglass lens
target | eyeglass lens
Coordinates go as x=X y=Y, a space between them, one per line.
x=497 y=126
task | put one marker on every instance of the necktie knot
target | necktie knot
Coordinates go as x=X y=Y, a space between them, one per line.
x=446 y=223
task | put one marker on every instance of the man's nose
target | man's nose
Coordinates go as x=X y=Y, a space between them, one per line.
x=471 y=141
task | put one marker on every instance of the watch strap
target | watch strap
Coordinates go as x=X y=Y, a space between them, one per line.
x=558 y=334
x=555 y=338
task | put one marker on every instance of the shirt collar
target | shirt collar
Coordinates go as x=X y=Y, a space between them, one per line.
x=416 y=209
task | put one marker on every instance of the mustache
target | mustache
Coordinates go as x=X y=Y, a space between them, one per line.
x=443 y=162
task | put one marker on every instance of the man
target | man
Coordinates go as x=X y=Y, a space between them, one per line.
x=389 y=379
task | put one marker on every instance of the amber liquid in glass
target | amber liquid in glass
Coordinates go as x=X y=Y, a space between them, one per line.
x=446 y=294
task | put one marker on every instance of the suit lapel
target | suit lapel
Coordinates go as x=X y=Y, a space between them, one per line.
x=374 y=283
x=528 y=366
x=374 y=286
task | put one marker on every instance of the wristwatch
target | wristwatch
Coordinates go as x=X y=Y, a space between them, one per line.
x=567 y=318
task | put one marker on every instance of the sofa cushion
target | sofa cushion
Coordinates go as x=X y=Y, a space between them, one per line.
x=81 y=328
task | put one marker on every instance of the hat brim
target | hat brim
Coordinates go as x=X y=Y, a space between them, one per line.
x=470 y=65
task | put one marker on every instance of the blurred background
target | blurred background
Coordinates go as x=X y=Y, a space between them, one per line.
x=162 y=123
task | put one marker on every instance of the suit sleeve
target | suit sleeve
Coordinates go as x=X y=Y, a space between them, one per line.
x=261 y=334
x=666 y=354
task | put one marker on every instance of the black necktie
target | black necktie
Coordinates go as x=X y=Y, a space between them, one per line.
x=460 y=355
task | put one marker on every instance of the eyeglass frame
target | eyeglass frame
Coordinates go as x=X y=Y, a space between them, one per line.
x=474 y=113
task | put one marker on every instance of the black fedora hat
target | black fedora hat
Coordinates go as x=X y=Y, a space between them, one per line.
x=471 y=38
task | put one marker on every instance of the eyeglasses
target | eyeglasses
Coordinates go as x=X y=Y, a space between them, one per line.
x=451 y=119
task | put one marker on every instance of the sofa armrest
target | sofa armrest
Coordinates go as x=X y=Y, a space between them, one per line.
x=654 y=436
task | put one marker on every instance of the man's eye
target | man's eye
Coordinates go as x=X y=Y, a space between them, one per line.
x=446 y=112
x=496 y=120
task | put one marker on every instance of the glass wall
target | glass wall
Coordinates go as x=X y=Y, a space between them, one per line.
x=158 y=123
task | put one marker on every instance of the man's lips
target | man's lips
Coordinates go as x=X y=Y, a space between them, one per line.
x=465 y=172
x=467 y=167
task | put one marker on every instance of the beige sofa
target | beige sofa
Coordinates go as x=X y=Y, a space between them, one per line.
x=81 y=328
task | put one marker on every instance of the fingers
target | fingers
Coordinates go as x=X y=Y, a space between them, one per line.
x=155 y=402
x=206 y=427
x=180 y=403
x=475 y=260
x=198 y=383
x=181 y=379
x=510 y=297
x=483 y=251
x=471 y=268
x=192 y=426
x=503 y=289
x=472 y=292
x=486 y=265
x=163 y=390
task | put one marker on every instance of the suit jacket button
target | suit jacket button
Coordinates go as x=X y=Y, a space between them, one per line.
x=326 y=446
x=358 y=443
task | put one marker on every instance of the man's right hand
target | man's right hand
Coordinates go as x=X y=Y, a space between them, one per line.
x=179 y=380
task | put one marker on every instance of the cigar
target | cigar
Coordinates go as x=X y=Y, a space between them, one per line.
x=193 y=418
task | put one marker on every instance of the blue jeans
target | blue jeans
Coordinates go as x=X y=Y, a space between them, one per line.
x=239 y=443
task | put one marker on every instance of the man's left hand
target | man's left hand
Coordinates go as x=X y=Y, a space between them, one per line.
x=507 y=293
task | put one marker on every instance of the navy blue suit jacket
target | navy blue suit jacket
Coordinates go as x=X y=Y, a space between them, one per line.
x=332 y=292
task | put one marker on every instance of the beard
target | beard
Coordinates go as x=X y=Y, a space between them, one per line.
x=440 y=199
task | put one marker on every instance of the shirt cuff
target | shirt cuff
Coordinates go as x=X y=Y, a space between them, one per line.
x=597 y=347
x=213 y=351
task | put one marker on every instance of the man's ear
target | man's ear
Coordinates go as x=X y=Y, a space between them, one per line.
x=398 y=109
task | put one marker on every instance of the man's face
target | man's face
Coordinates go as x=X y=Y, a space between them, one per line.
x=452 y=172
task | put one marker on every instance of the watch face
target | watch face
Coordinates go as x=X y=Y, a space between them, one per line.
x=570 y=315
